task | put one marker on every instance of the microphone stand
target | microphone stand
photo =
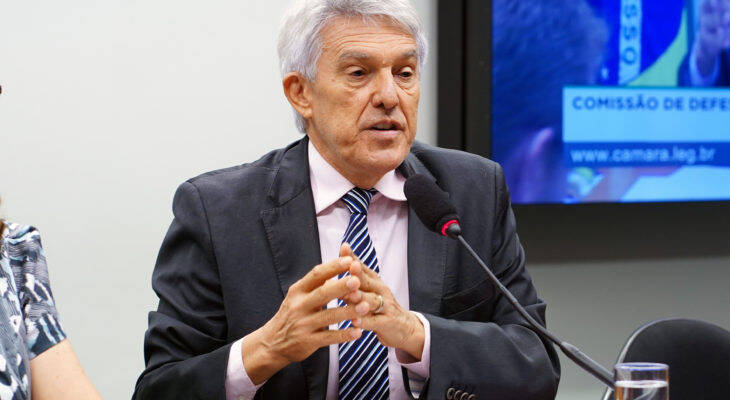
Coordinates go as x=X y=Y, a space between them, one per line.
x=571 y=351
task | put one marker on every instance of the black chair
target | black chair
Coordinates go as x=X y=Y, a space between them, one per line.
x=697 y=352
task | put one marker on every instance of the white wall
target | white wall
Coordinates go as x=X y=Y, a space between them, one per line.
x=107 y=106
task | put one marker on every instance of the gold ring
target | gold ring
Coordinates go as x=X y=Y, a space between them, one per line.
x=380 y=307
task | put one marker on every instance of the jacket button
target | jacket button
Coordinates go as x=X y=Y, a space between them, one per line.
x=450 y=394
x=457 y=394
x=464 y=396
x=472 y=397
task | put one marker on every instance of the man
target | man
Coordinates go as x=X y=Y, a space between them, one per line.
x=708 y=63
x=253 y=270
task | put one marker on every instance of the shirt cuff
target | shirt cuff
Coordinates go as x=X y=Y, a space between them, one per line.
x=696 y=76
x=421 y=368
x=238 y=383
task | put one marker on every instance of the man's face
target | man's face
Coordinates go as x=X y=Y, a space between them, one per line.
x=364 y=100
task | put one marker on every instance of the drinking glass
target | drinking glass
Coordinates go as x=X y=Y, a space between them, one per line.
x=641 y=381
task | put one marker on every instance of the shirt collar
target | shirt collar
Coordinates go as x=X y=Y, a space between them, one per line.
x=328 y=185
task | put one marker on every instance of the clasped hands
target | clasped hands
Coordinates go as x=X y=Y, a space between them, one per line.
x=300 y=325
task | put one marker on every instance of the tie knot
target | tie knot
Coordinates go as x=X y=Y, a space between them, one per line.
x=358 y=200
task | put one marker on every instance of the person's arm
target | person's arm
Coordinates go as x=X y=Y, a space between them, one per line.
x=186 y=337
x=238 y=383
x=56 y=374
x=186 y=349
x=417 y=370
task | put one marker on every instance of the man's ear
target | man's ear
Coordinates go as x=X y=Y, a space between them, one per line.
x=298 y=91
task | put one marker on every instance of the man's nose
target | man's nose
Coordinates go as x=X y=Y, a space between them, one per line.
x=386 y=93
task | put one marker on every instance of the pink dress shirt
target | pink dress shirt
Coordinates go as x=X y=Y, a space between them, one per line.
x=388 y=227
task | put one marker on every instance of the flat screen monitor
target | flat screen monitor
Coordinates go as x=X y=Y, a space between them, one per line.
x=611 y=100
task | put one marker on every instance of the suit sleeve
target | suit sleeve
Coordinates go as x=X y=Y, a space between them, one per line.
x=185 y=348
x=502 y=358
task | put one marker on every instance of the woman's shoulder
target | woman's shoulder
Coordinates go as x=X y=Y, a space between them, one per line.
x=21 y=244
x=23 y=268
x=19 y=235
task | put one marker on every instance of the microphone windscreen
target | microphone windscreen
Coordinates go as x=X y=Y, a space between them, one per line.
x=432 y=205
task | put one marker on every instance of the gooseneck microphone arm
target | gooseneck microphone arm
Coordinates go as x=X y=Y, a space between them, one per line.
x=435 y=209
x=568 y=349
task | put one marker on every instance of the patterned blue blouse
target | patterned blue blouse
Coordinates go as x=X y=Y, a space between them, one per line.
x=29 y=321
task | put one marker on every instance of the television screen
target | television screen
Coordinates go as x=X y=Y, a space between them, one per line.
x=612 y=100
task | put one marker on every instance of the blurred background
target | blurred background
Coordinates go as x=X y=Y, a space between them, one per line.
x=108 y=106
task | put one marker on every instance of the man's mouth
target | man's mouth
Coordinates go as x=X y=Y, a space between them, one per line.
x=386 y=126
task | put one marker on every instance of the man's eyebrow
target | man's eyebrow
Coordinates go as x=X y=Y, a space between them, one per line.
x=358 y=55
x=410 y=54
x=362 y=56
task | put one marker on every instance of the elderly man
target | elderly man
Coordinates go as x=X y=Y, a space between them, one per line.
x=304 y=275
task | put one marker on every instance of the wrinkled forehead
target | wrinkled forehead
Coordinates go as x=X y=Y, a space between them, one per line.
x=366 y=38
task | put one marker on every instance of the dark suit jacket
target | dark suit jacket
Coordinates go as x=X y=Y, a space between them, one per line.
x=241 y=236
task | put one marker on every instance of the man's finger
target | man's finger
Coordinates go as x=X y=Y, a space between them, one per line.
x=332 y=316
x=322 y=272
x=373 y=301
x=368 y=271
x=346 y=250
x=328 y=337
x=372 y=322
x=369 y=301
x=332 y=289
x=353 y=298
x=356 y=268
x=369 y=279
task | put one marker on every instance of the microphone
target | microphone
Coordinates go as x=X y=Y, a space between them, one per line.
x=436 y=210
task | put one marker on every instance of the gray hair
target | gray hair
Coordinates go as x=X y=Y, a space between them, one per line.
x=300 y=43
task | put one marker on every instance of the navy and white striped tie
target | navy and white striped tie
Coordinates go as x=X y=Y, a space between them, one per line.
x=363 y=362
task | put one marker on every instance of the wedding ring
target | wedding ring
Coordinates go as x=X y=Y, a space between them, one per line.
x=380 y=307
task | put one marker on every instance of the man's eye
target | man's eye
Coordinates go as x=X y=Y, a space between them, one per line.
x=406 y=74
x=357 y=73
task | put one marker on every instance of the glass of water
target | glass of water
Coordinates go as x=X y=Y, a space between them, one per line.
x=641 y=381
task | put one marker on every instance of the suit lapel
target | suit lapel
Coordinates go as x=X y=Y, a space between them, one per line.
x=291 y=229
x=426 y=254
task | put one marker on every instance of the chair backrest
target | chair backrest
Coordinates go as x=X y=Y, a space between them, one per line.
x=697 y=352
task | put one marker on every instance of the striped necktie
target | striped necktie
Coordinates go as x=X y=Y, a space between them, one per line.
x=363 y=362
